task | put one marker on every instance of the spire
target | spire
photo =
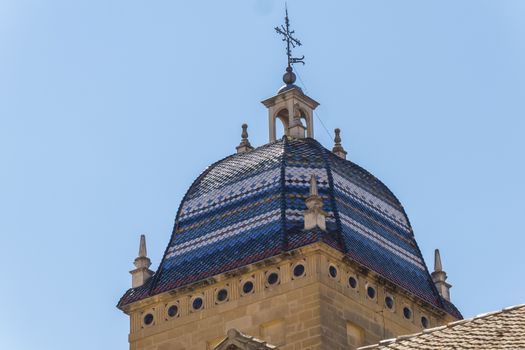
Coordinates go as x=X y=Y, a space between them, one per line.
x=141 y=273
x=314 y=216
x=291 y=43
x=437 y=261
x=439 y=277
x=338 y=148
x=245 y=145
x=143 y=253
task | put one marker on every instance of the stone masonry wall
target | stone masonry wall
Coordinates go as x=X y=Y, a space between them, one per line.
x=313 y=310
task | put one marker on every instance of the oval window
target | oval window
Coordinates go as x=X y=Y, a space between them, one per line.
x=247 y=287
x=197 y=303
x=173 y=310
x=389 y=302
x=407 y=312
x=352 y=282
x=332 y=270
x=148 y=319
x=371 y=292
x=222 y=295
x=273 y=278
x=298 y=270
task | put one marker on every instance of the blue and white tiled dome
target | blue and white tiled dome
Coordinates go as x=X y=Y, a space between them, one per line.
x=249 y=207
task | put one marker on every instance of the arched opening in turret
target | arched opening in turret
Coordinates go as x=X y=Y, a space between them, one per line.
x=299 y=124
x=305 y=120
x=307 y=115
x=295 y=116
x=281 y=129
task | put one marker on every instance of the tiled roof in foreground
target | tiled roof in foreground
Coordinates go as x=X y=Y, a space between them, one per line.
x=503 y=329
x=249 y=207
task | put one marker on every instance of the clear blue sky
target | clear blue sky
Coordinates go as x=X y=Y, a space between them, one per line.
x=109 y=109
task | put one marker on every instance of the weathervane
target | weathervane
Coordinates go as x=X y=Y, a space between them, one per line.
x=291 y=42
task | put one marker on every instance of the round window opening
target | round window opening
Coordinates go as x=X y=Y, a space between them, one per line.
x=148 y=319
x=389 y=302
x=247 y=287
x=371 y=292
x=273 y=278
x=424 y=322
x=222 y=295
x=173 y=310
x=352 y=282
x=332 y=270
x=407 y=312
x=197 y=303
x=298 y=270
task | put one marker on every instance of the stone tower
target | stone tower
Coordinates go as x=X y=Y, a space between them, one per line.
x=287 y=245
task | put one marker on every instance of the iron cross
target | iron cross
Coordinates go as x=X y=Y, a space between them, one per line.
x=291 y=42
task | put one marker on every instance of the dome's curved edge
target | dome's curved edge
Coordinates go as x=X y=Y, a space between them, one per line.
x=149 y=289
x=444 y=304
x=206 y=171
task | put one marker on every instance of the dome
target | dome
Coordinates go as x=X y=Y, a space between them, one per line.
x=249 y=207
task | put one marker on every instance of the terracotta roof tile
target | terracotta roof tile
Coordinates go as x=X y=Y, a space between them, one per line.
x=503 y=329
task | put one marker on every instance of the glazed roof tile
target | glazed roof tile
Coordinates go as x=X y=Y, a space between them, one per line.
x=249 y=207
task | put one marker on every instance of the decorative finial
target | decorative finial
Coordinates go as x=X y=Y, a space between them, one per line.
x=245 y=145
x=291 y=42
x=314 y=216
x=289 y=77
x=244 y=133
x=143 y=253
x=142 y=273
x=439 y=277
x=437 y=261
x=338 y=148
x=337 y=138
x=313 y=186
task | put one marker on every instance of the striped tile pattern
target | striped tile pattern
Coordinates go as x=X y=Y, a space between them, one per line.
x=249 y=206
x=376 y=231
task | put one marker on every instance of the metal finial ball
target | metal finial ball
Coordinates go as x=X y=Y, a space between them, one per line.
x=289 y=77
